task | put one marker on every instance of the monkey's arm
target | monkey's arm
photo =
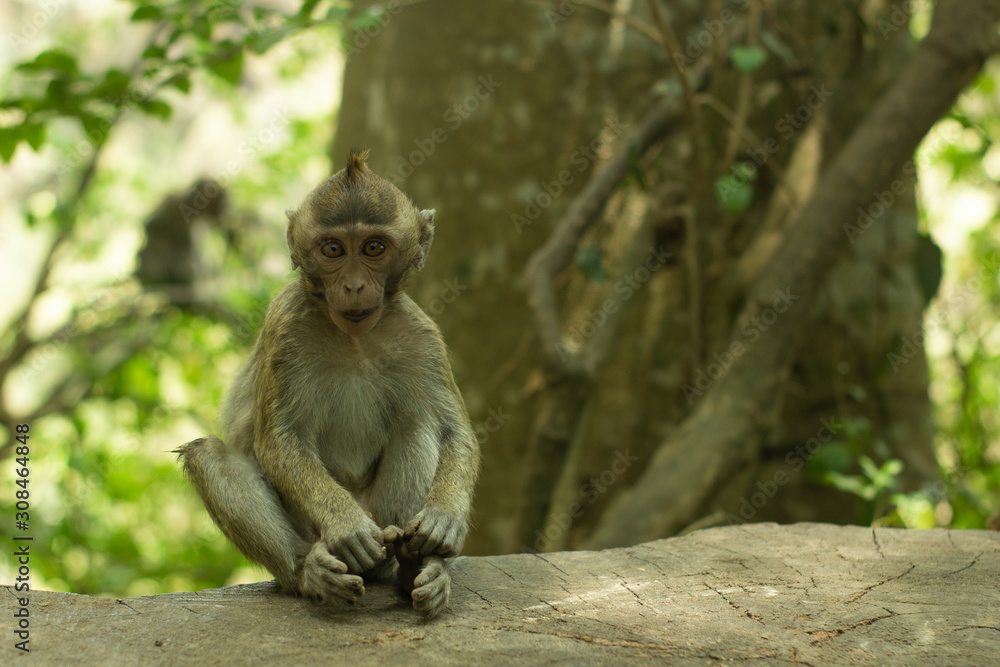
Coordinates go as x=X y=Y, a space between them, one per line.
x=441 y=526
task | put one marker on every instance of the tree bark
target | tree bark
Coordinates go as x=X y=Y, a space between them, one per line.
x=725 y=428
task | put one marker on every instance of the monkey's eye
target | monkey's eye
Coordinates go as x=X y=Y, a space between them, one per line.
x=373 y=248
x=332 y=249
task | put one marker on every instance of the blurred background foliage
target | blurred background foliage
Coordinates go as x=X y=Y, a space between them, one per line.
x=108 y=107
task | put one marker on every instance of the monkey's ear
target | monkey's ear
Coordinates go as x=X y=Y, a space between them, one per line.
x=426 y=235
x=288 y=237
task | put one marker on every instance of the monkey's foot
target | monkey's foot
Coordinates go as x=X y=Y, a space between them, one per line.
x=425 y=579
x=432 y=587
x=325 y=577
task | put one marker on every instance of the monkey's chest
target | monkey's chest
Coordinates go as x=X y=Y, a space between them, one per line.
x=355 y=425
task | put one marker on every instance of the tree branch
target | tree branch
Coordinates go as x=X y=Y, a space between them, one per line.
x=724 y=429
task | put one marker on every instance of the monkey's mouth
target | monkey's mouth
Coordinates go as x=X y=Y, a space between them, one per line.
x=357 y=315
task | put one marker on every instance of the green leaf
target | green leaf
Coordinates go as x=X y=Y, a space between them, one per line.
x=147 y=13
x=927 y=261
x=59 y=98
x=181 y=82
x=748 y=58
x=156 y=108
x=884 y=477
x=590 y=261
x=202 y=28
x=369 y=18
x=54 y=59
x=96 y=127
x=228 y=70
x=114 y=85
x=734 y=192
x=34 y=134
x=154 y=53
x=307 y=8
x=263 y=41
x=858 y=393
x=9 y=138
x=831 y=457
x=851 y=484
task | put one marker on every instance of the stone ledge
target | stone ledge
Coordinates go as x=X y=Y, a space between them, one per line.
x=810 y=594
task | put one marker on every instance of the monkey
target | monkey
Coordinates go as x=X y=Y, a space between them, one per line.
x=346 y=453
x=169 y=262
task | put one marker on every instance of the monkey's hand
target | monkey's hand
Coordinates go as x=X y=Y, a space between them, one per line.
x=434 y=532
x=356 y=540
x=324 y=577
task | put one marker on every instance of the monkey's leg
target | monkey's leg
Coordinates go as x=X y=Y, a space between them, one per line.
x=425 y=579
x=248 y=511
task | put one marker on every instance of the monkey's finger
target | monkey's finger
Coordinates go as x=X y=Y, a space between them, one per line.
x=347 y=587
x=414 y=537
x=451 y=544
x=353 y=566
x=391 y=534
x=436 y=534
x=367 y=553
x=433 y=605
x=412 y=526
x=326 y=560
x=433 y=589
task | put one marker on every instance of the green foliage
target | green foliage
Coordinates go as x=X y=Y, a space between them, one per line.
x=846 y=464
x=735 y=191
x=964 y=317
x=962 y=341
x=927 y=261
x=590 y=261
x=108 y=501
x=748 y=59
x=189 y=37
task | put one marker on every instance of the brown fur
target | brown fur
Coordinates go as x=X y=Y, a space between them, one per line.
x=346 y=421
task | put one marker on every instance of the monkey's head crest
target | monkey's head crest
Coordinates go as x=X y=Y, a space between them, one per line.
x=356 y=164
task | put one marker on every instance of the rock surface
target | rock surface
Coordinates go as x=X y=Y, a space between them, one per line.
x=806 y=594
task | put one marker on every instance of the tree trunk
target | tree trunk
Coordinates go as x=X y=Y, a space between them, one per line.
x=498 y=114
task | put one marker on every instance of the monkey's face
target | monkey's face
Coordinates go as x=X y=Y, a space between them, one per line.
x=358 y=241
x=354 y=265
